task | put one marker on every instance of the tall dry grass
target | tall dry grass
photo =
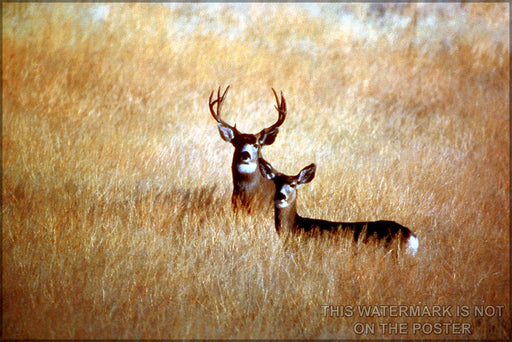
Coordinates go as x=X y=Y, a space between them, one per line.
x=116 y=186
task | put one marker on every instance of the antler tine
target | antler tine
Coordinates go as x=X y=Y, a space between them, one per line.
x=283 y=103
x=277 y=98
x=281 y=108
x=218 y=101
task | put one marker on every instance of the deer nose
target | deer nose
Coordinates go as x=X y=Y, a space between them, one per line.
x=280 y=196
x=245 y=155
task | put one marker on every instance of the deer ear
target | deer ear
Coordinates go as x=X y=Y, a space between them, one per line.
x=266 y=169
x=226 y=133
x=268 y=138
x=307 y=174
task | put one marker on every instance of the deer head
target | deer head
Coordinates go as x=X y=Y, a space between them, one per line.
x=286 y=186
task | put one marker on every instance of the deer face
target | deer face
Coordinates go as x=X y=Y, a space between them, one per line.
x=286 y=191
x=247 y=151
x=286 y=186
x=247 y=146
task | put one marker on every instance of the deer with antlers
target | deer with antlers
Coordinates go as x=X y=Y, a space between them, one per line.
x=250 y=189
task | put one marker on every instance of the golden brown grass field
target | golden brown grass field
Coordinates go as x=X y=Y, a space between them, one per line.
x=116 y=218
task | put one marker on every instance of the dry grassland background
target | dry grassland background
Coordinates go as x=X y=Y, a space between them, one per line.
x=116 y=219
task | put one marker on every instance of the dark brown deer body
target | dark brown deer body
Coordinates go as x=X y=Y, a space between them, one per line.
x=289 y=222
x=250 y=189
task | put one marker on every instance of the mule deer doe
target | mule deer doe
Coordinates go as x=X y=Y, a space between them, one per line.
x=287 y=220
x=250 y=189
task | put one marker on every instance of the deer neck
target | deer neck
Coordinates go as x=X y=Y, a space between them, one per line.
x=245 y=178
x=286 y=218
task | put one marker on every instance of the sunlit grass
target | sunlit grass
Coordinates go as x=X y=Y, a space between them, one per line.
x=116 y=185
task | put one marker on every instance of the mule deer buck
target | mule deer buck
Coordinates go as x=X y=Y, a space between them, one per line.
x=288 y=221
x=250 y=189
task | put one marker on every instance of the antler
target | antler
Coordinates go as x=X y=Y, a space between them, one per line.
x=281 y=108
x=218 y=101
